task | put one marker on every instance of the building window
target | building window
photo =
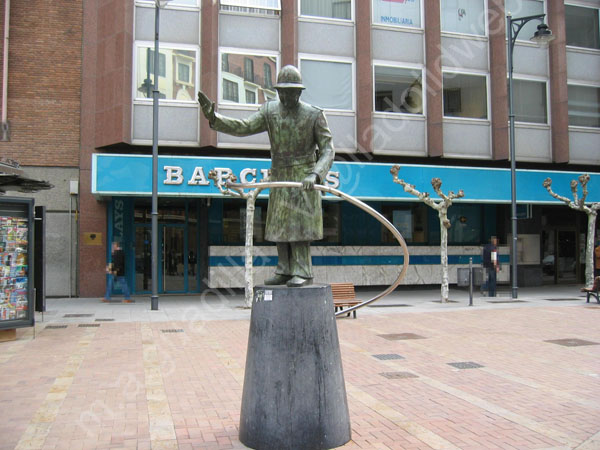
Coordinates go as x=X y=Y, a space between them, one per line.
x=465 y=95
x=328 y=84
x=409 y=219
x=398 y=90
x=463 y=16
x=248 y=69
x=238 y=69
x=524 y=8
x=334 y=9
x=250 y=97
x=177 y=68
x=529 y=101
x=331 y=223
x=584 y=106
x=234 y=222
x=582 y=27
x=268 y=76
x=230 y=91
x=267 y=7
x=405 y=13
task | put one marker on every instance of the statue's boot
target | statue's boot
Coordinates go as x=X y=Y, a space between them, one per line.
x=277 y=279
x=297 y=281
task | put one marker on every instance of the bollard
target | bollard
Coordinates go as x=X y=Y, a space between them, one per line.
x=471 y=281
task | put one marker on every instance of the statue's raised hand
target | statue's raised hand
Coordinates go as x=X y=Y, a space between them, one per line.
x=208 y=107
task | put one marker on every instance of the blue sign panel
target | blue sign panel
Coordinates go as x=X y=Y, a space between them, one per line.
x=116 y=175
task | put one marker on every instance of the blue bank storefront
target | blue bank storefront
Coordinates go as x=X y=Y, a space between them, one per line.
x=201 y=232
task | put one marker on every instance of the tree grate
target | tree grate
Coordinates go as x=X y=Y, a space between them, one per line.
x=105 y=320
x=78 y=315
x=563 y=299
x=173 y=330
x=401 y=336
x=388 y=356
x=447 y=301
x=55 y=327
x=88 y=325
x=398 y=375
x=465 y=365
x=573 y=342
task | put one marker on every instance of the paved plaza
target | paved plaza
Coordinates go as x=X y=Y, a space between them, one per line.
x=419 y=374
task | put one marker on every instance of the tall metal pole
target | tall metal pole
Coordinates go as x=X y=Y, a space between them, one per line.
x=154 y=297
x=513 y=163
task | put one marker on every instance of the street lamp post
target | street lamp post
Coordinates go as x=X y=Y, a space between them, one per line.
x=154 y=298
x=542 y=35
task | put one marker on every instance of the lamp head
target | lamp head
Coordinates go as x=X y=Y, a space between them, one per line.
x=543 y=35
x=161 y=3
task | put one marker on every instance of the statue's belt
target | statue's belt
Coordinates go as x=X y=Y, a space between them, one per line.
x=291 y=161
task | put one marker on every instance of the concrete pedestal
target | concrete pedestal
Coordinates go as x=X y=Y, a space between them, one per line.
x=294 y=393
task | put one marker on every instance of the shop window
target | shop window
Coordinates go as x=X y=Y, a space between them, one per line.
x=405 y=13
x=584 y=106
x=582 y=27
x=334 y=9
x=466 y=224
x=328 y=84
x=234 y=222
x=524 y=8
x=529 y=101
x=409 y=219
x=266 y=7
x=238 y=78
x=463 y=16
x=398 y=90
x=177 y=70
x=465 y=95
x=331 y=223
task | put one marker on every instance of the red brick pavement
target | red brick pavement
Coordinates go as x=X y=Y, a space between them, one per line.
x=131 y=385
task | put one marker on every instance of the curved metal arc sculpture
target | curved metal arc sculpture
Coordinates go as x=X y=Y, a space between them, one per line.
x=237 y=189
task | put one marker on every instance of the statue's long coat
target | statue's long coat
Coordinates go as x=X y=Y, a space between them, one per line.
x=300 y=145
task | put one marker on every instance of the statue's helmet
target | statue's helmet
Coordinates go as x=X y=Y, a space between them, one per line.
x=289 y=77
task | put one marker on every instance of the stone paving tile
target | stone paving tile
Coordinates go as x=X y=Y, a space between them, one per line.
x=129 y=385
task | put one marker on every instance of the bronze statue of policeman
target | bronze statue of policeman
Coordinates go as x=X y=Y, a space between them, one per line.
x=301 y=151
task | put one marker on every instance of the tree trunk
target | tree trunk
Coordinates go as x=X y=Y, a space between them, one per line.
x=589 y=250
x=444 y=256
x=248 y=273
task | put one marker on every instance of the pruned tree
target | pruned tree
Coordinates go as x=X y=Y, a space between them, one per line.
x=441 y=206
x=578 y=204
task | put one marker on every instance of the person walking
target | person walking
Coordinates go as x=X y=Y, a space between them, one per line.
x=116 y=272
x=491 y=264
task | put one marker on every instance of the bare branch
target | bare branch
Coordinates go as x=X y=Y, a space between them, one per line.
x=548 y=185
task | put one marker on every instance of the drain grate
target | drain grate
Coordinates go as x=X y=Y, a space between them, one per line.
x=78 y=315
x=465 y=365
x=88 y=325
x=173 y=330
x=55 y=327
x=564 y=299
x=573 y=342
x=392 y=305
x=401 y=336
x=398 y=375
x=506 y=301
x=388 y=356
x=105 y=320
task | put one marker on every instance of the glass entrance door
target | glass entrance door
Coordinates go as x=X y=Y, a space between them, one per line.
x=172 y=271
x=566 y=267
x=173 y=264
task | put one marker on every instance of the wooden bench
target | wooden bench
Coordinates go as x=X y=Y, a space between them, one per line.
x=594 y=291
x=344 y=296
